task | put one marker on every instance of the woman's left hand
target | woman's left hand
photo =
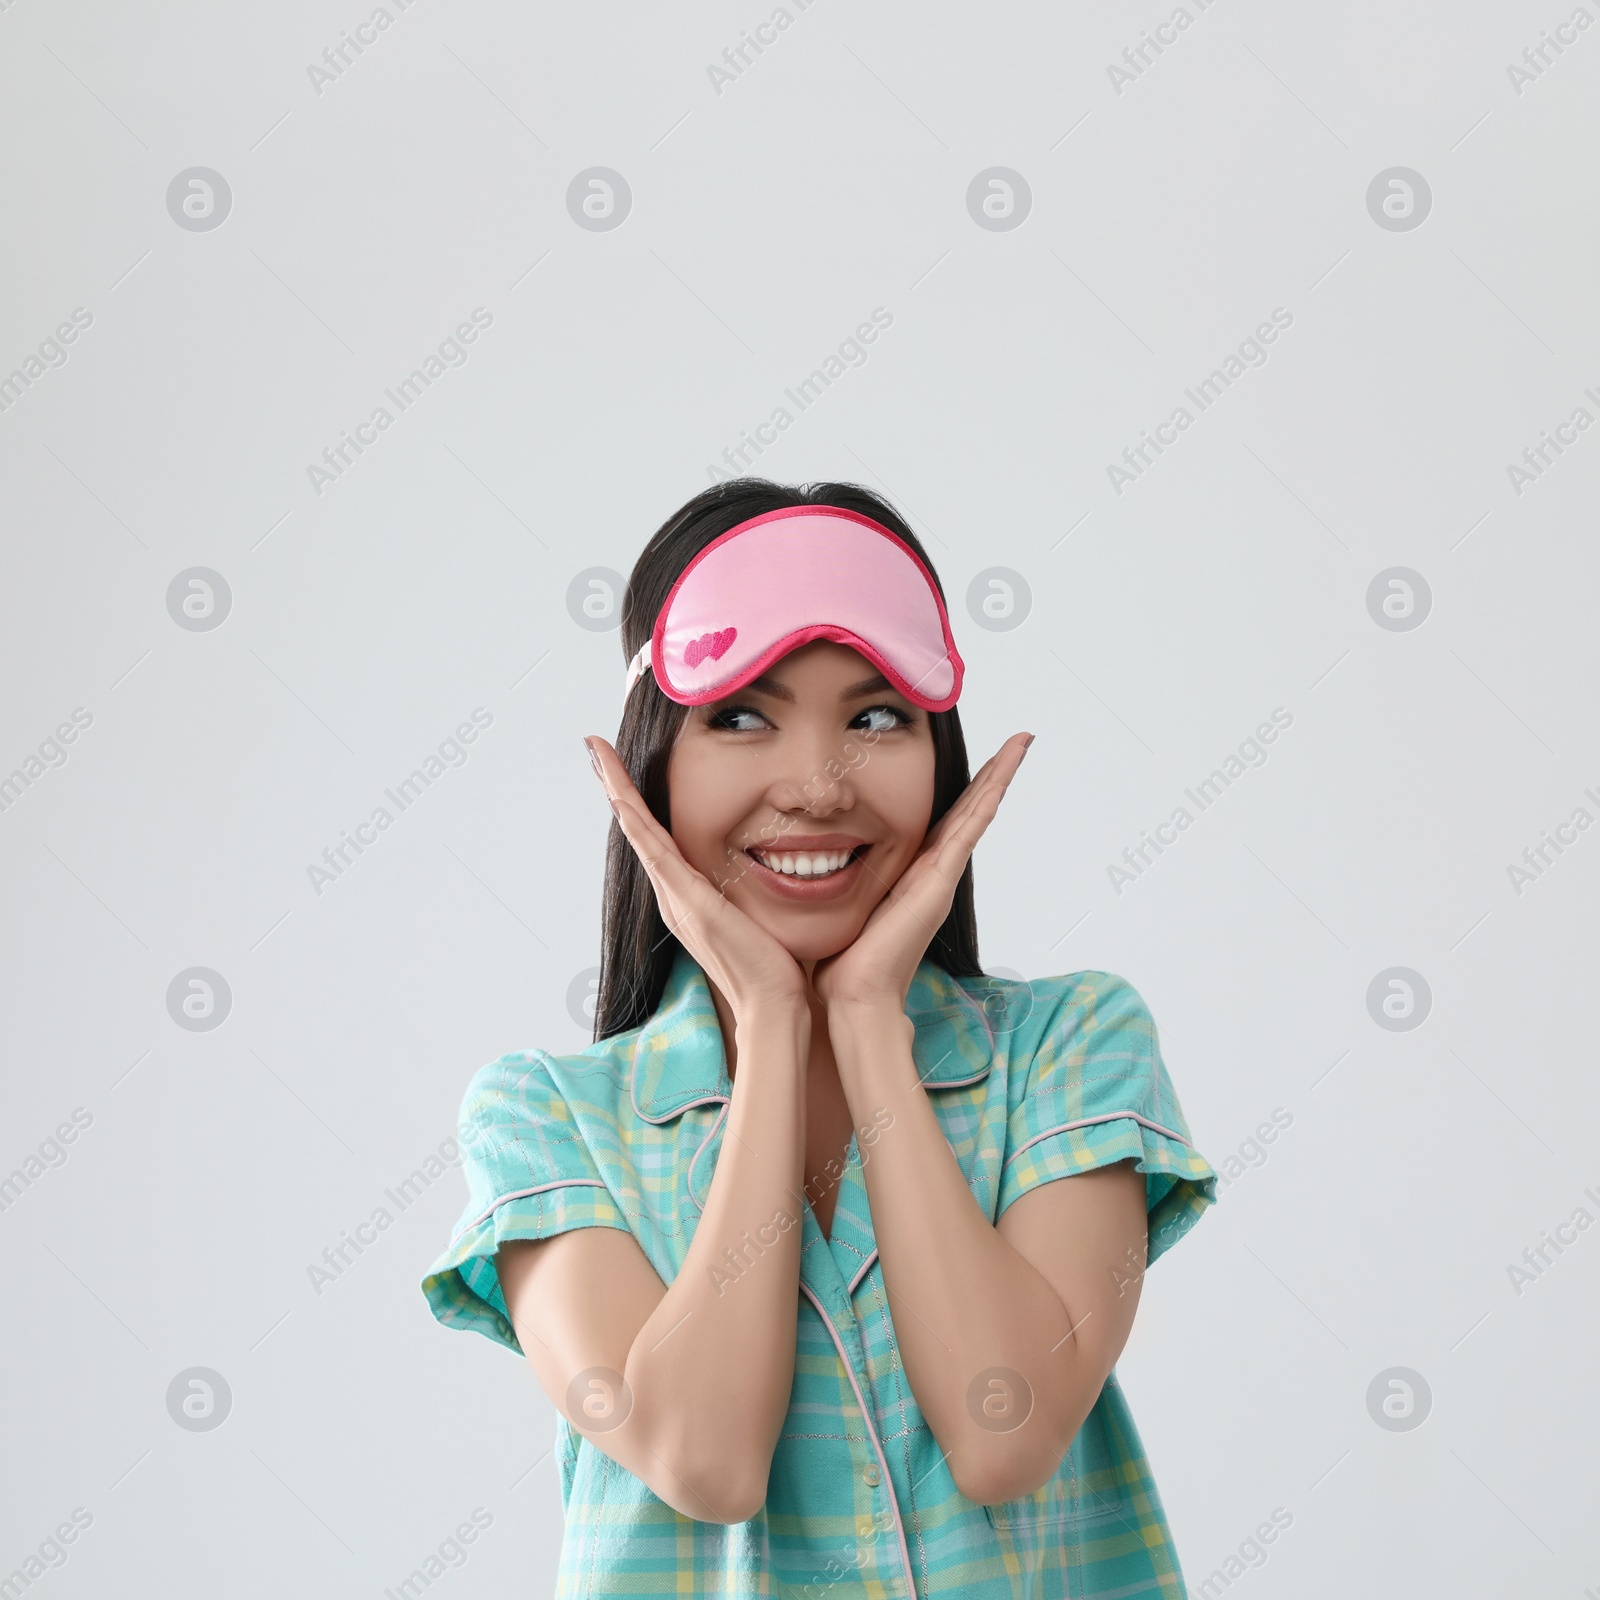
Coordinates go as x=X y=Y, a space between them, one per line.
x=875 y=972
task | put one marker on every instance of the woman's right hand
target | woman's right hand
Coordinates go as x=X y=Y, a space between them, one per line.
x=750 y=968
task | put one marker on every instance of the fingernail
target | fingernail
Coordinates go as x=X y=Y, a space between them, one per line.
x=1029 y=745
x=594 y=760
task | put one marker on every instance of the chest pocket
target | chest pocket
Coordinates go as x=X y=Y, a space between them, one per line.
x=1068 y=1501
x=1055 y=1507
x=1085 y=1490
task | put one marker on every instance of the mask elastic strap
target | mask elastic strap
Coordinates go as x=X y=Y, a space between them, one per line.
x=637 y=667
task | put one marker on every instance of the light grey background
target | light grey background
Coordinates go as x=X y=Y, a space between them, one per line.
x=768 y=220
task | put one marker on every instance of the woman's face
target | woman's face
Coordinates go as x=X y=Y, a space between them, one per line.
x=805 y=795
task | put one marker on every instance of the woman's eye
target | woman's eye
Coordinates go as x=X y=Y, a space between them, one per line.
x=896 y=718
x=731 y=718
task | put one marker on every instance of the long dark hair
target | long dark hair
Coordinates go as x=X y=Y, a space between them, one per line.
x=637 y=948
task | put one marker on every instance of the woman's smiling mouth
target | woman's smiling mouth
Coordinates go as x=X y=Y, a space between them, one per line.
x=809 y=869
x=805 y=864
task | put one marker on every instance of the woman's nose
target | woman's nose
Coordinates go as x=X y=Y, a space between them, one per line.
x=817 y=774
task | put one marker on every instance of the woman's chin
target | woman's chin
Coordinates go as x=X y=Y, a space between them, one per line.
x=815 y=944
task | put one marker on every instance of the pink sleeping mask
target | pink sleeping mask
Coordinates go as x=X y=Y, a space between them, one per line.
x=785 y=578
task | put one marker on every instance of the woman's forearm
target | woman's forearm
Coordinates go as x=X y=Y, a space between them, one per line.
x=713 y=1367
x=963 y=1302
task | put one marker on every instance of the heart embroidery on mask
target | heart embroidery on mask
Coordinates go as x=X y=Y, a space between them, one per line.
x=715 y=645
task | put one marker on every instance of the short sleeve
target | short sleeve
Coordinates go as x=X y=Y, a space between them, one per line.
x=529 y=1176
x=1096 y=1092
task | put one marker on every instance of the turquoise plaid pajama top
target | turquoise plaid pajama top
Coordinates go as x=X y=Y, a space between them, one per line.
x=1031 y=1082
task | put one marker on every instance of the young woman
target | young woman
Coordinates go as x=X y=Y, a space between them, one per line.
x=785 y=1246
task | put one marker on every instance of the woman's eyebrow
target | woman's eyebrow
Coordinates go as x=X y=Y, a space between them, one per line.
x=767 y=684
x=876 y=684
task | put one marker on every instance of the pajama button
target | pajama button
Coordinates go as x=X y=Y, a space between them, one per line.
x=870 y=1477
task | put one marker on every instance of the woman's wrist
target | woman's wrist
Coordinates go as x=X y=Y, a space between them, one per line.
x=858 y=1029
x=774 y=1017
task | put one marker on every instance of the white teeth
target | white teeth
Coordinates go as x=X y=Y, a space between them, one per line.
x=813 y=864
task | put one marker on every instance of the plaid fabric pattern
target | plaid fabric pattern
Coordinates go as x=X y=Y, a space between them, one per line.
x=1031 y=1082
